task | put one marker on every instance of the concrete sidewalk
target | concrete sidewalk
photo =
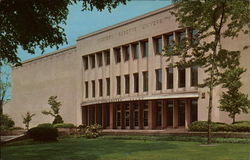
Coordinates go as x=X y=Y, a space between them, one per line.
x=5 y=139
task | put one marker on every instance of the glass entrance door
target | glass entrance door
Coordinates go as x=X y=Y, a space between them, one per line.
x=170 y=106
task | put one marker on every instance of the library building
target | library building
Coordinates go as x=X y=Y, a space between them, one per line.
x=118 y=77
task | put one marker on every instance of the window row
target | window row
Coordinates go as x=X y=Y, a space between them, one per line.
x=134 y=49
x=145 y=78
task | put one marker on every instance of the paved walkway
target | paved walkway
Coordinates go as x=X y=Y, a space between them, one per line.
x=5 y=139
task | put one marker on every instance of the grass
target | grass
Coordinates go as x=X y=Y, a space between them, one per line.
x=108 y=148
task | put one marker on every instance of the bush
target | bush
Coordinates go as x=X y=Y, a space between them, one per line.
x=43 y=134
x=201 y=126
x=242 y=122
x=6 y=122
x=58 y=119
x=45 y=125
x=93 y=131
x=64 y=125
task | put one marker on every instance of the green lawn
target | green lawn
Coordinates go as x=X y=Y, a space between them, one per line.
x=114 y=149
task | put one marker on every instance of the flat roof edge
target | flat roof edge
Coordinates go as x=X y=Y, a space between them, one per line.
x=126 y=22
x=49 y=54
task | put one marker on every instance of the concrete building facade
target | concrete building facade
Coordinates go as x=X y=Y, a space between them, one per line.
x=117 y=77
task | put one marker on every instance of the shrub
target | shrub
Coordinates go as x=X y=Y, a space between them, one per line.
x=64 y=125
x=58 y=119
x=6 y=122
x=43 y=133
x=198 y=126
x=93 y=131
x=242 y=122
x=45 y=125
x=239 y=127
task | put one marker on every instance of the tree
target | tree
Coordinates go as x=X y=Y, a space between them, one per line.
x=32 y=24
x=4 y=86
x=213 y=20
x=55 y=107
x=233 y=101
x=27 y=118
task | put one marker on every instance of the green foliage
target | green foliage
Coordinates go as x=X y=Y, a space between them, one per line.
x=5 y=84
x=64 y=125
x=55 y=108
x=233 y=101
x=27 y=118
x=37 y=24
x=58 y=119
x=202 y=126
x=213 y=20
x=45 y=125
x=93 y=131
x=43 y=133
x=242 y=122
x=6 y=122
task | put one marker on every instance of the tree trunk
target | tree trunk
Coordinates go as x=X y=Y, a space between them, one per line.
x=1 y=107
x=210 y=106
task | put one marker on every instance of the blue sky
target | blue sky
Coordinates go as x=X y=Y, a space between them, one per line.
x=83 y=22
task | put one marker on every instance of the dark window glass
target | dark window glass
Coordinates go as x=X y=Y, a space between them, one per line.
x=158 y=113
x=107 y=57
x=194 y=111
x=108 y=86
x=158 y=45
x=126 y=53
x=182 y=77
x=136 y=50
x=107 y=115
x=136 y=83
x=158 y=75
x=100 y=88
x=127 y=84
x=85 y=62
x=92 y=59
x=86 y=89
x=145 y=114
x=118 y=115
x=136 y=114
x=194 y=33
x=93 y=88
x=182 y=37
x=118 y=85
x=145 y=81
x=170 y=78
x=170 y=112
x=170 y=42
x=181 y=113
x=117 y=52
x=144 y=48
x=127 y=114
x=99 y=59
x=194 y=76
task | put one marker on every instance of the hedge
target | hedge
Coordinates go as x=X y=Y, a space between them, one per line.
x=202 y=126
x=64 y=125
x=43 y=133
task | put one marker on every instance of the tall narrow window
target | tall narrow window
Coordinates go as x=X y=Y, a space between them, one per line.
x=136 y=50
x=158 y=78
x=181 y=38
x=117 y=52
x=92 y=60
x=158 y=45
x=158 y=113
x=118 y=85
x=86 y=89
x=108 y=86
x=127 y=85
x=170 y=78
x=136 y=82
x=194 y=76
x=170 y=42
x=194 y=110
x=126 y=52
x=145 y=113
x=100 y=88
x=193 y=37
x=99 y=59
x=107 y=57
x=93 y=88
x=145 y=81
x=182 y=77
x=144 y=48
x=85 y=62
